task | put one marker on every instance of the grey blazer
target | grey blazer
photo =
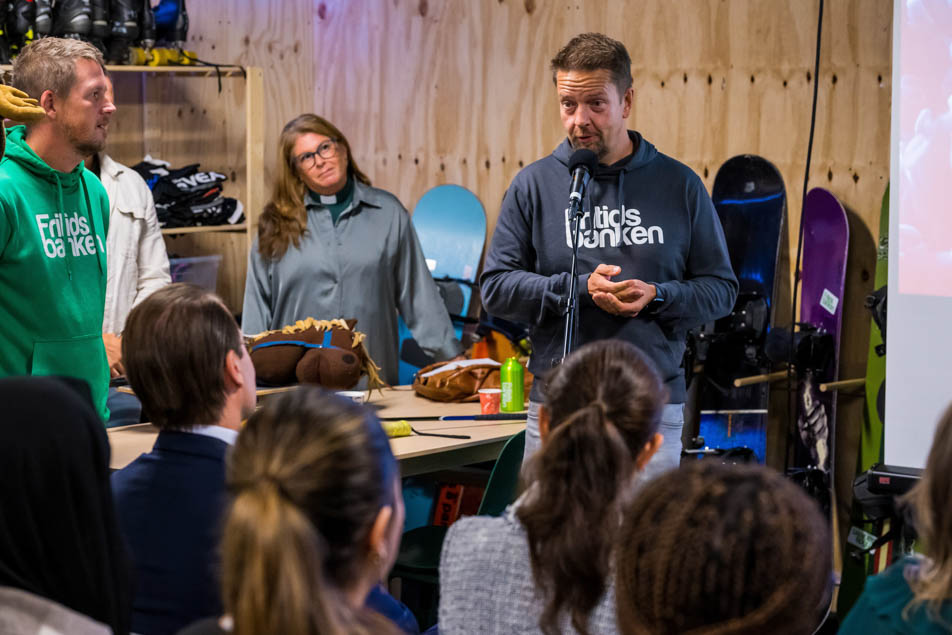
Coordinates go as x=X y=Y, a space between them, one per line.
x=486 y=582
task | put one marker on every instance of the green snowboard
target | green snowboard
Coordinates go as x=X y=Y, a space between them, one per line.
x=871 y=437
x=871 y=440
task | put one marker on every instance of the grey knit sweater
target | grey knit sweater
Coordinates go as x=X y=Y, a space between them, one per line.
x=23 y=613
x=486 y=582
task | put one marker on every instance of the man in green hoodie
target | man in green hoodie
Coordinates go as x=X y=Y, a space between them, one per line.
x=53 y=220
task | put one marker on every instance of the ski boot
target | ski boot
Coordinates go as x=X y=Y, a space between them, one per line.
x=43 y=23
x=123 y=30
x=141 y=54
x=73 y=19
x=171 y=23
x=21 y=24
x=99 y=28
x=5 y=52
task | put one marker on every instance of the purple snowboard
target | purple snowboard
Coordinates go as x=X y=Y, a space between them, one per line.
x=823 y=273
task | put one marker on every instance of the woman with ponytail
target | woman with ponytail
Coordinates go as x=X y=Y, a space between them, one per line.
x=545 y=565
x=314 y=523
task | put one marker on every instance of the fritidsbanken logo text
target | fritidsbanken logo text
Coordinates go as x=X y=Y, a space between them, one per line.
x=613 y=228
x=61 y=231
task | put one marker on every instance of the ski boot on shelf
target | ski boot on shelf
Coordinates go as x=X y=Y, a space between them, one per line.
x=166 y=24
x=20 y=24
x=5 y=53
x=73 y=19
x=43 y=22
x=140 y=54
x=99 y=29
x=123 y=30
x=171 y=23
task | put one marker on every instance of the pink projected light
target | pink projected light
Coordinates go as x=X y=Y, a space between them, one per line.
x=925 y=154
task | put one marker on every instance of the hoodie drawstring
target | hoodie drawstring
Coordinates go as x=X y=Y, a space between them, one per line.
x=621 y=189
x=100 y=248
x=62 y=214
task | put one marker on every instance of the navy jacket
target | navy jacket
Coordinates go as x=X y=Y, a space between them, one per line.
x=378 y=599
x=170 y=504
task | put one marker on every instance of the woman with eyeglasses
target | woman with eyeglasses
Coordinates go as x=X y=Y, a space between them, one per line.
x=331 y=246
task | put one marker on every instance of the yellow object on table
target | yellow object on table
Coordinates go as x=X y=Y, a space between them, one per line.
x=397 y=428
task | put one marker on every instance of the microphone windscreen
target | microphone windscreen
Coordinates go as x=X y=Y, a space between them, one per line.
x=583 y=157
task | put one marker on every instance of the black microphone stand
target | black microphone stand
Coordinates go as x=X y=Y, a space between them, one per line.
x=571 y=305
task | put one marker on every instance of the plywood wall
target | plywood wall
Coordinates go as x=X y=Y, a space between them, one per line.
x=458 y=91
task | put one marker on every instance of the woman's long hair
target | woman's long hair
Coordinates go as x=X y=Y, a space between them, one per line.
x=284 y=219
x=715 y=549
x=931 y=578
x=308 y=476
x=605 y=404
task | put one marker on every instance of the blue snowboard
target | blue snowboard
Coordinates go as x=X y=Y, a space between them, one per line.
x=450 y=222
x=750 y=199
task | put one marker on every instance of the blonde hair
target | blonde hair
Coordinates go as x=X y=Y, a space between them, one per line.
x=931 y=578
x=309 y=474
x=50 y=64
x=284 y=219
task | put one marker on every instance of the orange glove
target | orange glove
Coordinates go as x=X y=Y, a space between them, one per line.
x=18 y=106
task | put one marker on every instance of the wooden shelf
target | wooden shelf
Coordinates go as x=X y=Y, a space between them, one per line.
x=226 y=70
x=240 y=227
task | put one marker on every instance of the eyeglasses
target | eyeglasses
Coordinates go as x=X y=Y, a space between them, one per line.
x=326 y=150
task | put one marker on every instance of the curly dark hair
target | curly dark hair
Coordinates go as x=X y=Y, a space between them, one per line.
x=722 y=549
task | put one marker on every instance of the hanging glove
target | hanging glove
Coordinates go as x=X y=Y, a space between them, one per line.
x=18 y=106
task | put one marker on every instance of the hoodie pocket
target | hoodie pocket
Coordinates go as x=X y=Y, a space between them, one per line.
x=82 y=357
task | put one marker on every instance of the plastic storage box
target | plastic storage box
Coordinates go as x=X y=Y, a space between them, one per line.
x=198 y=270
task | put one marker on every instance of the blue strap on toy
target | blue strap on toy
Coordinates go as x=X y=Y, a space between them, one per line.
x=325 y=344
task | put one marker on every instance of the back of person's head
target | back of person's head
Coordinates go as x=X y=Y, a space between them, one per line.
x=593 y=52
x=174 y=349
x=313 y=485
x=59 y=538
x=284 y=218
x=931 y=499
x=50 y=64
x=719 y=549
x=603 y=406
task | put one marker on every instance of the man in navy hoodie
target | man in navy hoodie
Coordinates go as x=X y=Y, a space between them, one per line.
x=653 y=262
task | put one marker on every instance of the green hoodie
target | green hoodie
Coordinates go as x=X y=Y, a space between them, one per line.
x=52 y=269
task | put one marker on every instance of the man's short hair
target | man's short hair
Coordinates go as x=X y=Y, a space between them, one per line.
x=50 y=64
x=173 y=348
x=592 y=52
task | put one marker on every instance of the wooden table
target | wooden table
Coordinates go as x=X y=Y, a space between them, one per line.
x=417 y=455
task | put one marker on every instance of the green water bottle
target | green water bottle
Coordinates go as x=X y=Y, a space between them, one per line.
x=511 y=378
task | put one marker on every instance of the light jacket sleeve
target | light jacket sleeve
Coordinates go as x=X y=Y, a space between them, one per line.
x=509 y=288
x=418 y=300
x=153 y=261
x=708 y=289
x=257 y=310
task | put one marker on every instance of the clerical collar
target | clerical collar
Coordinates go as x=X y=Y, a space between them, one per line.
x=342 y=196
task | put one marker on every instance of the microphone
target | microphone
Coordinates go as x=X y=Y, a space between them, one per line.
x=582 y=165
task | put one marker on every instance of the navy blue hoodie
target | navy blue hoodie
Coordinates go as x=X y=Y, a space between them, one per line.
x=648 y=214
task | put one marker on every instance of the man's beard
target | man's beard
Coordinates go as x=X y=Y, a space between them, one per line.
x=598 y=146
x=84 y=146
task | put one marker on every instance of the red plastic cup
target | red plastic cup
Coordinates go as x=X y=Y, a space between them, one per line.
x=489 y=399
